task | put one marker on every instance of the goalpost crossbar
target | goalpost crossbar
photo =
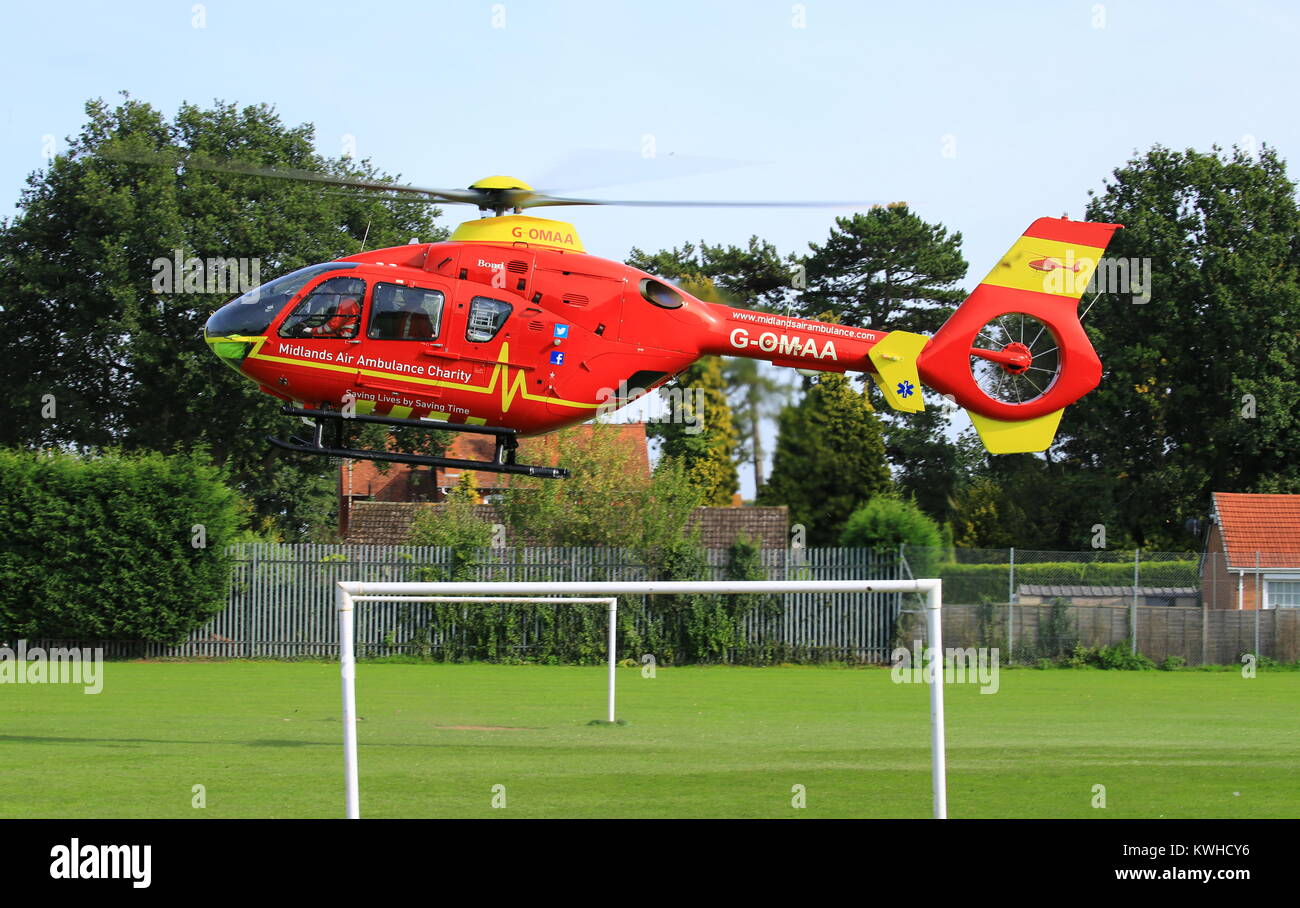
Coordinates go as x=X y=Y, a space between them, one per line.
x=348 y=593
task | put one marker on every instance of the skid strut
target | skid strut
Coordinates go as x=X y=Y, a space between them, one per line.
x=503 y=456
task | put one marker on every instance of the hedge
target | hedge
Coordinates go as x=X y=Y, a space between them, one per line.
x=968 y=583
x=112 y=547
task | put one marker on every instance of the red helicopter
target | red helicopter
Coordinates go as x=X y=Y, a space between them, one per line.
x=510 y=329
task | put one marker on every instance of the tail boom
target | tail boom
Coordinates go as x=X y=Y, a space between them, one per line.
x=1035 y=287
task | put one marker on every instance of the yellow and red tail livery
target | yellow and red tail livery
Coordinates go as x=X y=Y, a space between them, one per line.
x=1015 y=354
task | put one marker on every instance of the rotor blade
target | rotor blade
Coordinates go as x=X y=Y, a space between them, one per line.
x=487 y=199
x=376 y=197
x=590 y=168
x=200 y=162
x=542 y=200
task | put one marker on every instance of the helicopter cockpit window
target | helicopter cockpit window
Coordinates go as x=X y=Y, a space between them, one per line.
x=332 y=310
x=256 y=309
x=486 y=316
x=398 y=312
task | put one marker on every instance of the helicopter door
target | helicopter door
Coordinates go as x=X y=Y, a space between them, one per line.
x=319 y=339
x=405 y=356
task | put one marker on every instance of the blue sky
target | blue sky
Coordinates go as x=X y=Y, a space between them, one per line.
x=982 y=116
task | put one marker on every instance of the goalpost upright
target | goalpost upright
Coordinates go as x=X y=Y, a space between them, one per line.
x=347 y=593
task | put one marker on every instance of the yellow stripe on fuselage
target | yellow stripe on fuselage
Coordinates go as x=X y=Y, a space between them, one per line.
x=511 y=387
x=1062 y=269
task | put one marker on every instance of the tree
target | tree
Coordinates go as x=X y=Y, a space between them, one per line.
x=754 y=389
x=85 y=337
x=456 y=525
x=453 y=522
x=699 y=431
x=886 y=522
x=889 y=269
x=929 y=468
x=1027 y=501
x=885 y=269
x=829 y=458
x=979 y=520
x=755 y=277
x=609 y=500
x=1202 y=381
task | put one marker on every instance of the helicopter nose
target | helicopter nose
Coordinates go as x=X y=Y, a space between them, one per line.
x=229 y=330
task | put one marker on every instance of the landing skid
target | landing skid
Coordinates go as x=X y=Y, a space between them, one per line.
x=503 y=457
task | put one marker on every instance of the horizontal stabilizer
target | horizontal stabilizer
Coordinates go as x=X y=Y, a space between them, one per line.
x=895 y=360
x=1023 y=436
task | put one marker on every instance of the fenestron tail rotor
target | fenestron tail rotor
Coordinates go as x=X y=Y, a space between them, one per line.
x=1015 y=359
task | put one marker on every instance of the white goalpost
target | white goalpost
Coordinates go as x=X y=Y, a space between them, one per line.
x=348 y=593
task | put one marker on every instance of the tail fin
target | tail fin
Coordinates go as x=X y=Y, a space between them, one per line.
x=1014 y=354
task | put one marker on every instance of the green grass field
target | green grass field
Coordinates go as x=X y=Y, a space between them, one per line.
x=264 y=740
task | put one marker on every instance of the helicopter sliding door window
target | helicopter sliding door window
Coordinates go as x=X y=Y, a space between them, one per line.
x=400 y=312
x=486 y=316
x=332 y=310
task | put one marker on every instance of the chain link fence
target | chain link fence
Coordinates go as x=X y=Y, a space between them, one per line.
x=1171 y=607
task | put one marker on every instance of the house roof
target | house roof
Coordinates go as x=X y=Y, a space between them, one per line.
x=367 y=479
x=1100 y=592
x=719 y=527
x=389 y=523
x=542 y=450
x=1267 y=524
x=386 y=481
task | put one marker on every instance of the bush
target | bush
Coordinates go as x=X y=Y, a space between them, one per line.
x=455 y=525
x=968 y=583
x=607 y=501
x=1056 y=636
x=675 y=628
x=886 y=523
x=113 y=547
x=1116 y=656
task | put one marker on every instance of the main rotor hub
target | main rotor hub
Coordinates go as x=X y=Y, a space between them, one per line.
x=501 y=193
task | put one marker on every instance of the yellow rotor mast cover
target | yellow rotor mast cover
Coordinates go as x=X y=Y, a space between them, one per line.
x=520 y=230
x=517 y=229
x=500 y=182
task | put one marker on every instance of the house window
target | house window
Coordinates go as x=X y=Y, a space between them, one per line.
x=1282 y=593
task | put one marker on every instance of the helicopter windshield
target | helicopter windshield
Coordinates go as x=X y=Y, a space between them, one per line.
x=253 y=312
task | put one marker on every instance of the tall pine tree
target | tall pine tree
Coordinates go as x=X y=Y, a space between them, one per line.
x=700 y=432
x=887 y=268
x=830 y=458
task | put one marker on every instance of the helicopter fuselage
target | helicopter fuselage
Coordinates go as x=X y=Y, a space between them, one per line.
x=529 y=338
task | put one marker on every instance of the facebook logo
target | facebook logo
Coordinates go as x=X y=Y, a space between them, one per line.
x=557 y=358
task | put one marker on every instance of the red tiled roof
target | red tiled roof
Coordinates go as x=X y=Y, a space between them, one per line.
x=389 y=523
x=1267 y=524
x=720 y=527
x=386 y=482
x=400 y=482
x=541 y=450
